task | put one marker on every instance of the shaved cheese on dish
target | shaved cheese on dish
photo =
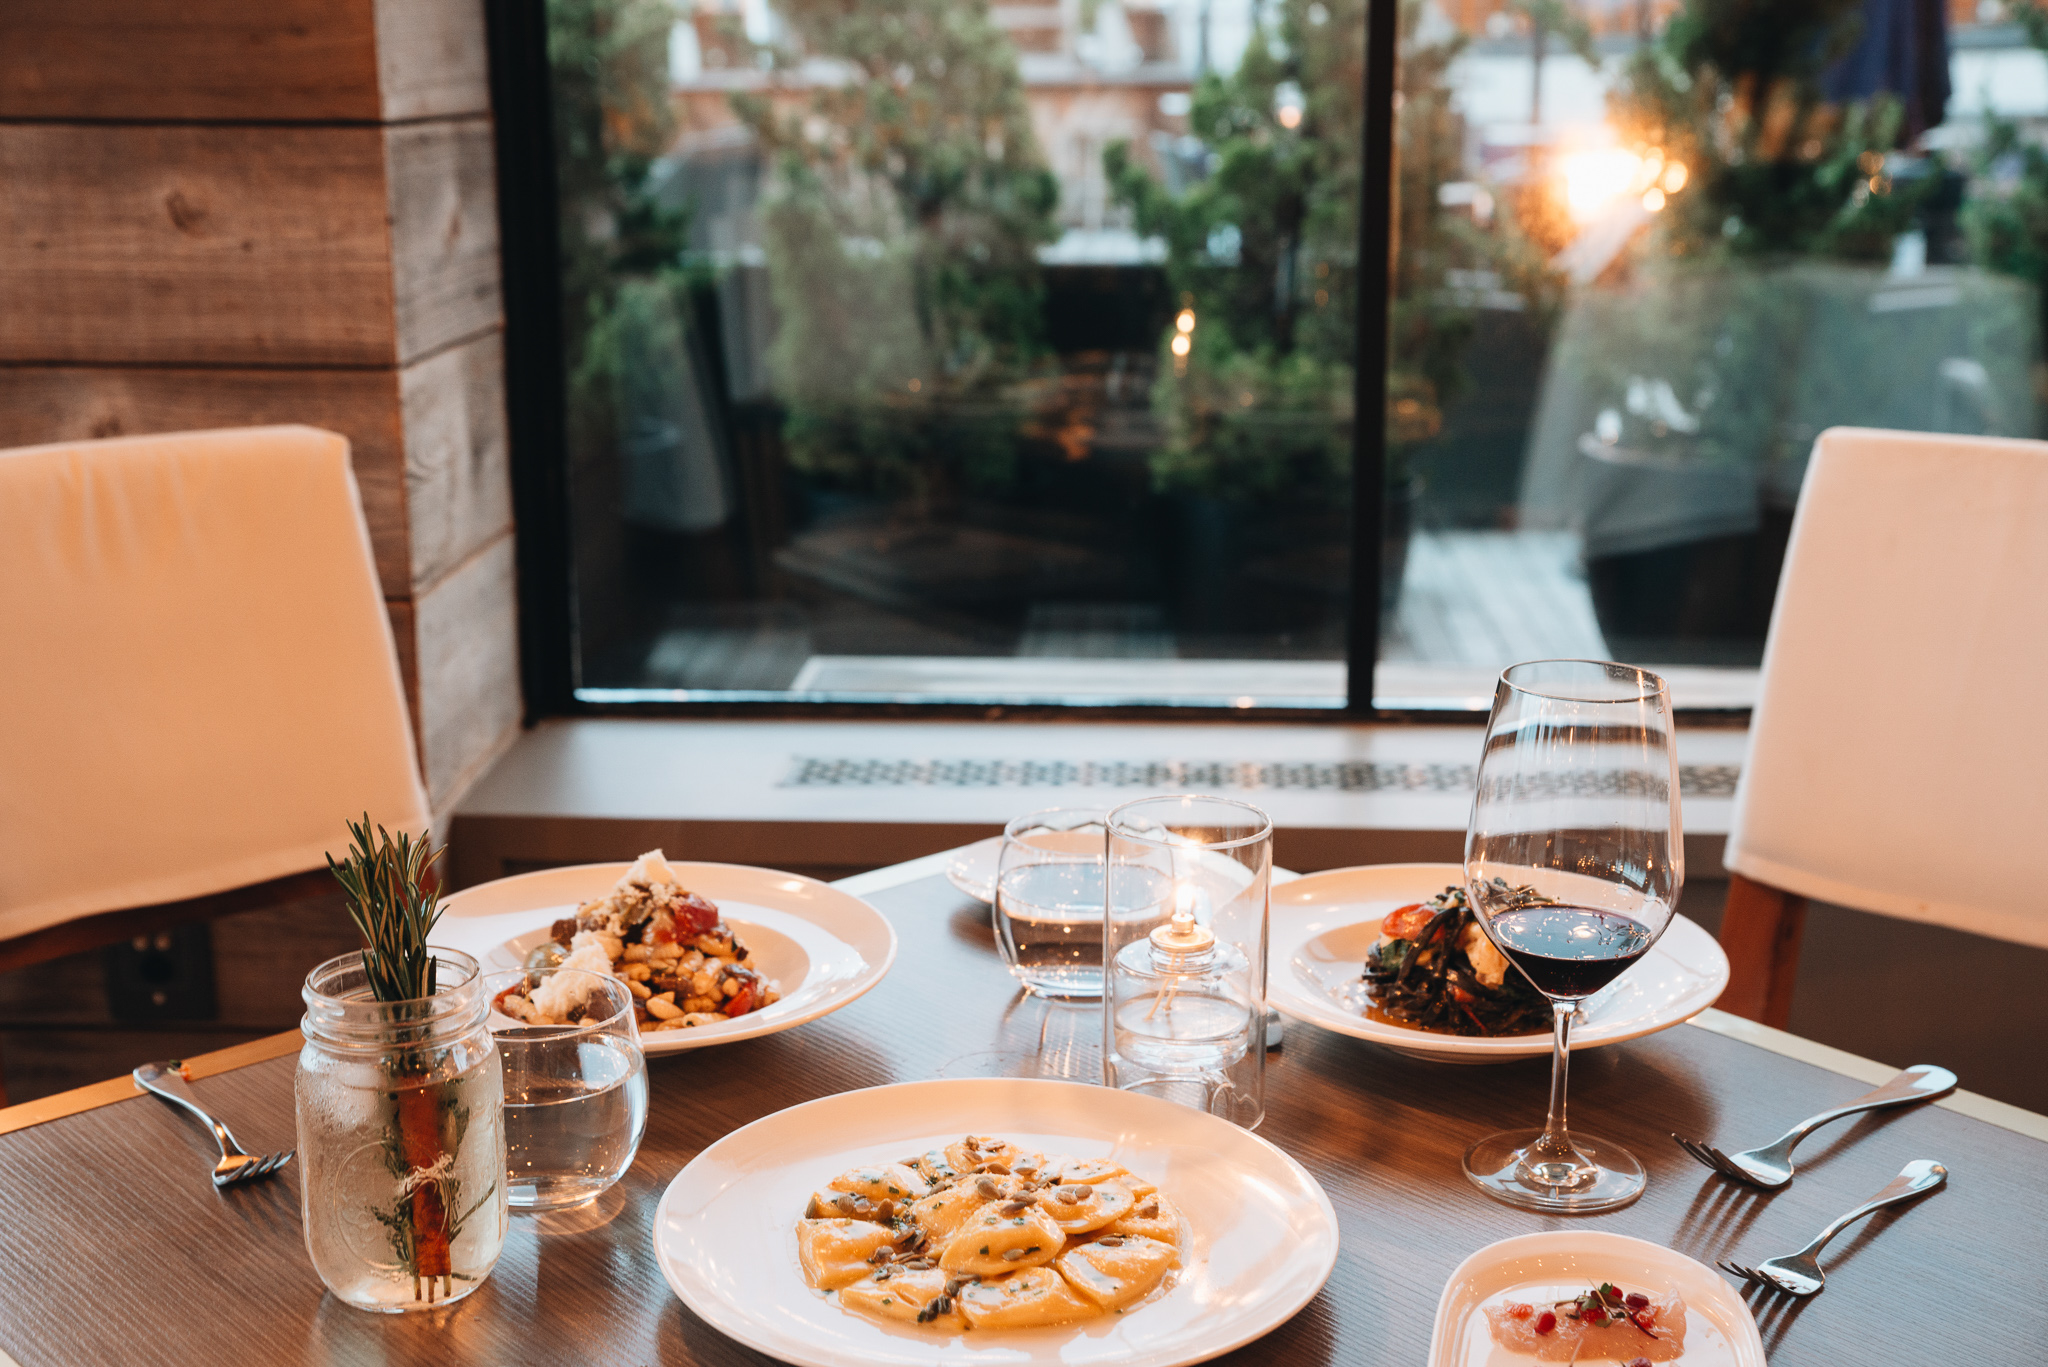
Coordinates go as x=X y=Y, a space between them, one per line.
x=564 y=992
x=649 y=869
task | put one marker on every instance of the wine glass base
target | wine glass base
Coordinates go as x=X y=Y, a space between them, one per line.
x=1495 y=1166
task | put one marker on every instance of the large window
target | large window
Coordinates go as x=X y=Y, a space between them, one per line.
x=1647 y=250
x=940 y=351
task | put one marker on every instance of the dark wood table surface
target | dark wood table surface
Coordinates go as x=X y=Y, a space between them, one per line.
x=114 y=1249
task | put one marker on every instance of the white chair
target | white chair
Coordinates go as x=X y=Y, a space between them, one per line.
x=1899 y=748
x=199 y=683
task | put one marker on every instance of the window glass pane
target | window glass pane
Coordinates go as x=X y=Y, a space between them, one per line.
x=1647 y=251
x=939 y=350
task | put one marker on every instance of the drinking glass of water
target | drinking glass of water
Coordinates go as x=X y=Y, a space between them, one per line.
x=1048 y=902
x=575 y=1094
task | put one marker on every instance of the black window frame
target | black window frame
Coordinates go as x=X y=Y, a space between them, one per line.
x=536 y=404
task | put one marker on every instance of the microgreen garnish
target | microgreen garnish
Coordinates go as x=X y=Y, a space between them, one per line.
x=1606 y=1303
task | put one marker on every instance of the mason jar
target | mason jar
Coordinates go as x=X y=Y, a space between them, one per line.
x=401 y=1118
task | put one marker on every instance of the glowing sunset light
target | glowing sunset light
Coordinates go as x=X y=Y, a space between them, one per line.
x=1596 y=180
x=1596 y=177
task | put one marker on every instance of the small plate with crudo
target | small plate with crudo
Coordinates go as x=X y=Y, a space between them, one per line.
x=1536 y=1268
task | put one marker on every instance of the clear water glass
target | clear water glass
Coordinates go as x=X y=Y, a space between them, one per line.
x=1048 y=901
x=1574 y=860
x=575 y=1095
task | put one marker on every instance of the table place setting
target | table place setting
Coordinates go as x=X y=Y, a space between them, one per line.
x=1026 y=1108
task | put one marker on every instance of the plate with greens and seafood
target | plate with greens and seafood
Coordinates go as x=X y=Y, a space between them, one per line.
x=986 y=1221
x=711 y=952
x=1390 y=953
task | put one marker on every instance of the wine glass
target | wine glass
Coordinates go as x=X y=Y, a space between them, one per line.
x=1573 y=864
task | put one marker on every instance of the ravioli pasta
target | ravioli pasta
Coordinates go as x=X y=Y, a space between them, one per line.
x=985 y=1235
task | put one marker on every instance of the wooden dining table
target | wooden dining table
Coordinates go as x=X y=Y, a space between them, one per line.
x=115 y=1248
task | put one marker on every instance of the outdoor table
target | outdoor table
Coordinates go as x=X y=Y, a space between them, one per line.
x=114 y=1248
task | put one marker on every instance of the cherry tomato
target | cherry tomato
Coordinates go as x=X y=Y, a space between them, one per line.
x=695 y=917
x=1405 y=923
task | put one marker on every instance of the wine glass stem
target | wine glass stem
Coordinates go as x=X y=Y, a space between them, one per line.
x=1552 y=1159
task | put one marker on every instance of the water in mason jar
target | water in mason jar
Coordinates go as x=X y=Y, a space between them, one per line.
x=574 y=1111
x=355 y=1202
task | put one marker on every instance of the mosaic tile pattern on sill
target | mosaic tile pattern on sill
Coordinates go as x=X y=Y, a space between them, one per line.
x=1346 y=776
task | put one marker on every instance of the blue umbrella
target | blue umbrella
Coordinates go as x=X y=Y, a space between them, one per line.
x=1902 y=50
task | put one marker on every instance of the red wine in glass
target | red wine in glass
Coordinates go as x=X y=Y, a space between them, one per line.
x=1574 y=859
x=1570 y=952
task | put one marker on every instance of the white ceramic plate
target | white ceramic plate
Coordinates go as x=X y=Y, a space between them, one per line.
x=820 y=947
x=1720 y=1332
x=1324 y=924
x=973 y=868
x=1262 y=1238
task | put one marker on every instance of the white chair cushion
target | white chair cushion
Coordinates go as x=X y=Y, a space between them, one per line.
x=1899 y=748
x=199 y=683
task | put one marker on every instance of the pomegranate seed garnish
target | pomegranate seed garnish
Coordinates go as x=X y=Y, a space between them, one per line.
x=1546 y=1322
x=1637 y=1300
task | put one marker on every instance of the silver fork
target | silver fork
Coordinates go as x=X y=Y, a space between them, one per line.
x=1771 y=1165
x=235 y=1166
x=1799 y=1274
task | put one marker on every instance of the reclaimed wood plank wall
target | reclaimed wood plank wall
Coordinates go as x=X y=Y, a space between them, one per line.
x=219 y=213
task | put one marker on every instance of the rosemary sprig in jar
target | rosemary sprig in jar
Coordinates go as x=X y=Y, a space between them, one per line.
x=392 y=897
x=393 y=901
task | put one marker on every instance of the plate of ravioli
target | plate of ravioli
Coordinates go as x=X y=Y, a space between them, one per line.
x=994 y=1220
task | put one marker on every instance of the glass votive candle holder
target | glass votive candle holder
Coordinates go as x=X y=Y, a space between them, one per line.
x=1184 y=988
